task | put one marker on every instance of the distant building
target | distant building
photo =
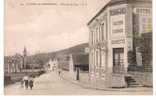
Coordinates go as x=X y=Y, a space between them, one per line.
x=78 y=62
x=71 y=65
x=71 y=61
x=87 y=50
x=63 y=62
x=13 y=64
x=81 y=61
x=51 y=65
x=113 y=36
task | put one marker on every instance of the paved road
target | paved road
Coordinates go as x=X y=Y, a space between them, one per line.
x=52 y=84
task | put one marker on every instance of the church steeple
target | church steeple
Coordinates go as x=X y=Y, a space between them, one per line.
x=24 y=57
x=25 y=52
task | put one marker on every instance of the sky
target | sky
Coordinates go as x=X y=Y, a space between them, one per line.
x=43 y=26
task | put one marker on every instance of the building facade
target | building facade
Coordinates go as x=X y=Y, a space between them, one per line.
x=112 y=39
x=13 y=64
x=51 y=65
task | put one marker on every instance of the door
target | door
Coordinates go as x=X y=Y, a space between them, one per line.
x=118 y=60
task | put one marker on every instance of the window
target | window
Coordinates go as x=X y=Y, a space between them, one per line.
x=102 y=31
x=103 y=58
x=97 y=34
x=96 y=58
x=92 y=38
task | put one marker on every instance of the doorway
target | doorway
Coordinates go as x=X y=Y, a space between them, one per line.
x=118 y=60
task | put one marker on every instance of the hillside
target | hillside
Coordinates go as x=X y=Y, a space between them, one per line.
x=73 y=50
x=42 y=58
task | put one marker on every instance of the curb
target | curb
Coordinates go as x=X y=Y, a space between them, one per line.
x=94 y=88
x=87 y=87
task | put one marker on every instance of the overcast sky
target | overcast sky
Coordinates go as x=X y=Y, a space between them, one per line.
x=47 y=28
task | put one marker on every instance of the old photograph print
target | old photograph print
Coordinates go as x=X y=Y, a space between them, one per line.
x=78 y=47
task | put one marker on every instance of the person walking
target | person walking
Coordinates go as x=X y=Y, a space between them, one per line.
x=31 y=82
x=26 y=78
x=77 y=74
x=59 y=72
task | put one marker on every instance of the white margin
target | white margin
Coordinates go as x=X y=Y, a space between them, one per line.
x=1 y=46
x=74 y=97
x=154 y=47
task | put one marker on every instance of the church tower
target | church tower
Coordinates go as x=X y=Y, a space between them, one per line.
x=24 y=57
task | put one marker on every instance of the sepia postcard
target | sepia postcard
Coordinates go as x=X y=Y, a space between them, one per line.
x=78 y=47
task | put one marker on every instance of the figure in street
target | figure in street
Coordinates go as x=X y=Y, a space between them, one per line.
x=77 y=74
x=59 y=72
x=31 y=82
x=25 y=79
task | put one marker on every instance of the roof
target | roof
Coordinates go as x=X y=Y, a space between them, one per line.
x=114 y=2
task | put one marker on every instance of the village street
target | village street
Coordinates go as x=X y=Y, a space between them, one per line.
x=52 y=84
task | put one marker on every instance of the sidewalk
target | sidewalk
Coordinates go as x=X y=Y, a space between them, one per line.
x=85 y=83
x=53 y=84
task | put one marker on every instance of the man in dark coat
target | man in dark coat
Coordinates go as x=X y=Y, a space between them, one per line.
x=25 y=79
x=31 y=83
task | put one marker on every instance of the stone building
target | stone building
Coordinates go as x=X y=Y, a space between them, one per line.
x=81 y=61
x=71 y=61
x=52 y=65
x=13 y=64
x=113 y=34
x=78 y=62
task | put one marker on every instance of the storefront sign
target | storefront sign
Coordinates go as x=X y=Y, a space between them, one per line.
x=119 y=41
x=144 y=19
x=117 y=22
x=118 y=25
x=144 y=11
x=118 y=11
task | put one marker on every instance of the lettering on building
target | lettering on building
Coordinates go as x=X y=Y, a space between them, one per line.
x=120 y=41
